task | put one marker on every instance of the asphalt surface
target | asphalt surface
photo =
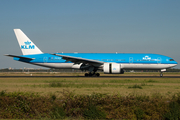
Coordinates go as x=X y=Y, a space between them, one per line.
x=89 y=77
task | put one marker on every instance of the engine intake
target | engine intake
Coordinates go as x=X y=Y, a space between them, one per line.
x=112 y=68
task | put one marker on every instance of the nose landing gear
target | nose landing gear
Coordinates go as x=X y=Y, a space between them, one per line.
x=161 y=74
x=162 y=70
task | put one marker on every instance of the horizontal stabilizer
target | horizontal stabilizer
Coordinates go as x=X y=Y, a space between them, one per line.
x=19 y=57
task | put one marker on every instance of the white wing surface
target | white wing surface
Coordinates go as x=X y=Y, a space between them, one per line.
x=78 y=60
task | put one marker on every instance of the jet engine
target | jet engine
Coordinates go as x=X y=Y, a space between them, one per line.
x=112 y=68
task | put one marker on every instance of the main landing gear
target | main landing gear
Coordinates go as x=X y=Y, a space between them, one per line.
x=91 y=74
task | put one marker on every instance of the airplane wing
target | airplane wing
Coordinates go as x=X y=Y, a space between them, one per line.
x=19 y=57
x=78 y=60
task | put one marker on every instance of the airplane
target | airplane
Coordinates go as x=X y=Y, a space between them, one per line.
x=109 y=63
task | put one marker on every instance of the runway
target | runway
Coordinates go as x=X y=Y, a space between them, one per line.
x=89 y=77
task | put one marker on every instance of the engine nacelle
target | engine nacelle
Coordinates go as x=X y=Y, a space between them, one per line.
x=112 y=68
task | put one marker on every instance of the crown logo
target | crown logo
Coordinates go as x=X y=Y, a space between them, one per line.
x=114 y=68
x=146 y=58
x=27 y=43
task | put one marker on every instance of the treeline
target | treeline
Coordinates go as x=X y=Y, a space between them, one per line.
x=74 y=70
x=167 y=70
x=39 y=70
x=18 y=105
x=173 y=70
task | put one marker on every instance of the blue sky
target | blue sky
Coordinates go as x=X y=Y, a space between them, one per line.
x=92 y=26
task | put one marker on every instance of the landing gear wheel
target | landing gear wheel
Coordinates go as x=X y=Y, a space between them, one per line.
x=86 y=74
x=90 y=74
x=161 y=74
x=97 y=74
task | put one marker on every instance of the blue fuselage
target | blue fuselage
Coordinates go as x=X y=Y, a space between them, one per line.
x=120 y=58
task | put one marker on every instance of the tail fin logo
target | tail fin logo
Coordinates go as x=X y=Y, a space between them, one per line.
x=27 y=45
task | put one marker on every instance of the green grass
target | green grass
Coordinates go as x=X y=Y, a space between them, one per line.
x=136 y=86
x=90 y=98
x=83 y=85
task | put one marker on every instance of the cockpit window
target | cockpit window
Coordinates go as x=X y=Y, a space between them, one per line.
x=171 y=60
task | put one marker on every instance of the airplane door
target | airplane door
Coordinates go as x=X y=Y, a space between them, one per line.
x=159 y=60
x=45 y=59
x=131 y=60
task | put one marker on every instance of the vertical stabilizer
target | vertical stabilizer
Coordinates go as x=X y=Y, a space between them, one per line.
x=26 y=45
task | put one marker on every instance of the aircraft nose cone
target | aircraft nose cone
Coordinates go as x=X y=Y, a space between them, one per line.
x=175 y=62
